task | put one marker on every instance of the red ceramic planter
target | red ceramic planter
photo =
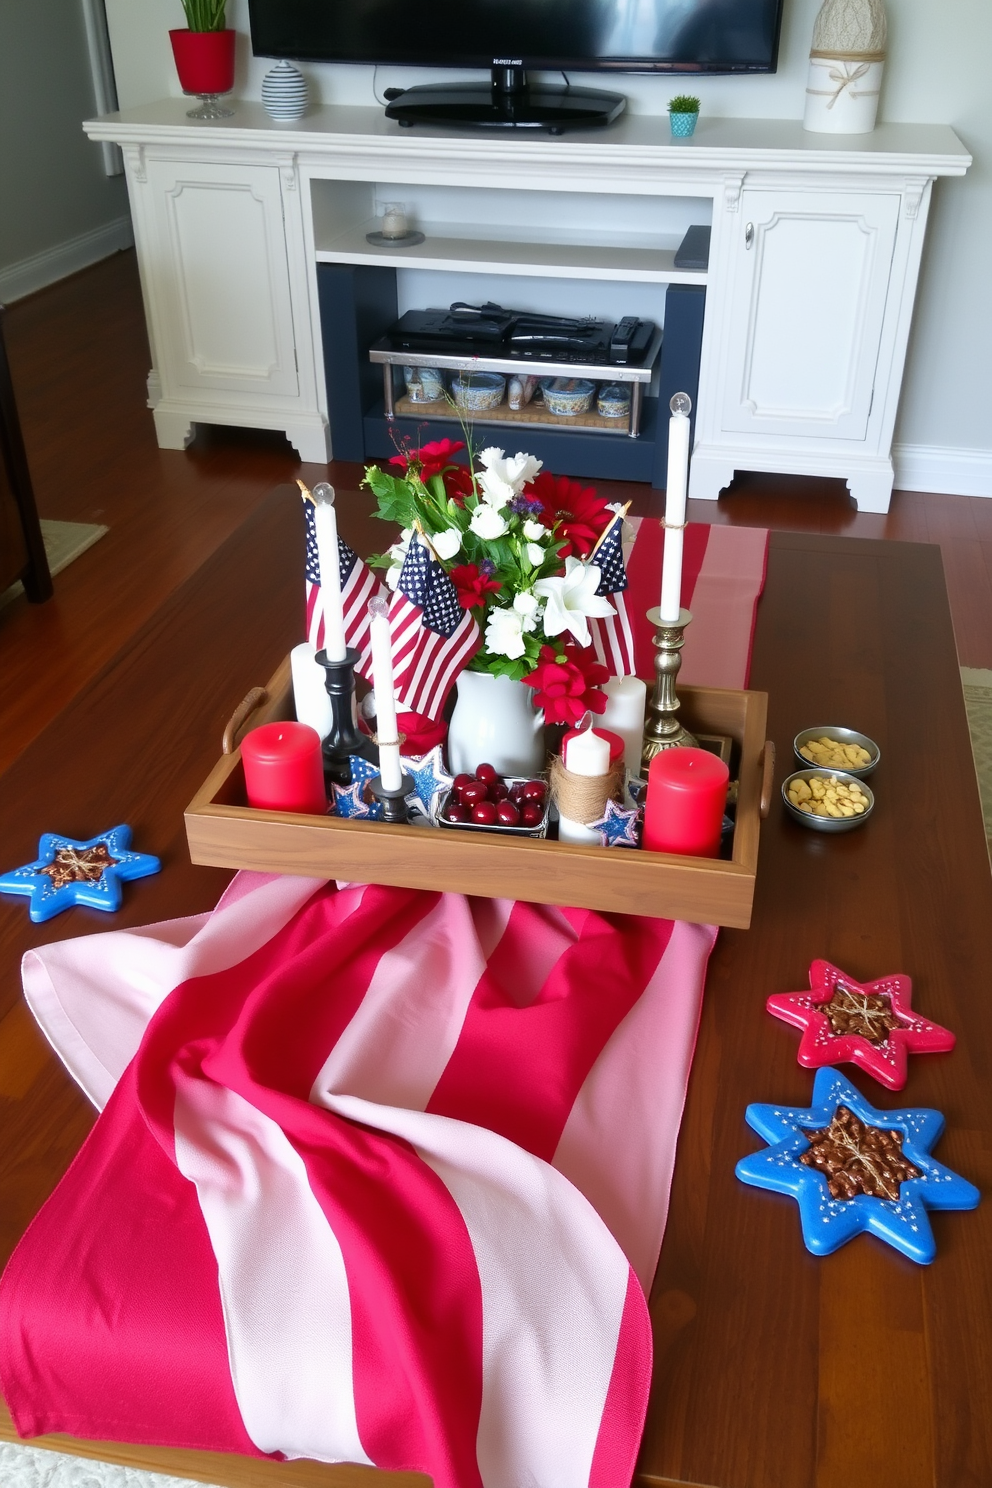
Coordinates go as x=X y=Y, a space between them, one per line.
x=204 y=60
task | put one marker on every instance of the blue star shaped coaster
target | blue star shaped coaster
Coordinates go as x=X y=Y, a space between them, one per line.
x=349 y=800
x=619 y=827
x=68 y=872
x=829 y=1222
x=430 y=780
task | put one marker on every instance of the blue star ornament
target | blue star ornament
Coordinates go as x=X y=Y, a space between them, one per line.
x=430 y=780
x=619 y=827
x=349 y=800
x=829 y=1222
x=68 y=872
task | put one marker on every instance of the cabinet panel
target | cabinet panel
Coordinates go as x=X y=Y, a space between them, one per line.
x=222 y=282
x=811 y=275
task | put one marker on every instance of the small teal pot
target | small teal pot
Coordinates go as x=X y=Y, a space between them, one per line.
x=682 y=125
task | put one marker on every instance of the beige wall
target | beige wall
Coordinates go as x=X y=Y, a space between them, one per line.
x=938 y=72
x=52 y=184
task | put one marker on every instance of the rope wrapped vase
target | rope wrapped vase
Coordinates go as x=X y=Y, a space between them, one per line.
x=846 y=62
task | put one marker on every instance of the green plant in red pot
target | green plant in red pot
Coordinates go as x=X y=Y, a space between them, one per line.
x=204 y=54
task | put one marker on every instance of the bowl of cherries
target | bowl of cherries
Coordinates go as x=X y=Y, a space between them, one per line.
x=489 y=802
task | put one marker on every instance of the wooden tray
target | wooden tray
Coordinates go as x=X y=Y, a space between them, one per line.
x=225 y=832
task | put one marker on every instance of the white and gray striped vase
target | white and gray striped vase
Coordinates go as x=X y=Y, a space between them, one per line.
x=284 y=92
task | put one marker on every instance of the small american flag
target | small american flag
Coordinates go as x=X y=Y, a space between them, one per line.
x=612 y=636
x=433 y=637
x=358 y=585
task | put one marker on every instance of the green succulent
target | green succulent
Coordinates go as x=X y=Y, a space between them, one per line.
x=204 y=15
x=684 y=103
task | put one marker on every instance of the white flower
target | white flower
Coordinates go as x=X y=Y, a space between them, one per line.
x=571 y=599
x=392 y=575
x=536 y=554
x=534 y=530
x=397 y=553
x=446 y=543
x=487 y=523
x=504 y=478
x=504 y=634
x=527 y=607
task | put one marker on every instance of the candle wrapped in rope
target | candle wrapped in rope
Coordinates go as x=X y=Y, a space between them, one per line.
x=583 y=798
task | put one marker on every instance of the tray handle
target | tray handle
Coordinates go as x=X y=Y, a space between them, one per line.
x=767 y=763
x=239 y=717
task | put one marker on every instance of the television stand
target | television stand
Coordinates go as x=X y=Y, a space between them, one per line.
x=507 y=102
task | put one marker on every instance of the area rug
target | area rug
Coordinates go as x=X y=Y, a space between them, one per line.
x=977 y=685
x=64 y=542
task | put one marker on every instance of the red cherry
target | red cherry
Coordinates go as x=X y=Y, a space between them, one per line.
x=507 y=814
x=484 y=814
x=498 y=791
x=534 y=790
x=456 y=812
x=462 y=779
x=474 y=792
x=531 y=814
x=486 y=773
x=517 y=791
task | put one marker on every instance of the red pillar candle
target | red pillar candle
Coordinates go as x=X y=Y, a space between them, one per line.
x=687 y=793
x=614 y=740
x=283 y=768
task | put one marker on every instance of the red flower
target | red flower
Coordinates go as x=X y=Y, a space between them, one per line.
x=580 y=515
x=566 y=683
x=430 y=459
x=458 y=483
x=472 y=585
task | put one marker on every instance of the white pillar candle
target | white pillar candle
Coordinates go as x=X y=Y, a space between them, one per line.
x=330 y=573
x=585 y=754
x=390 y=768
x=313 y=706
x=394 y=220
x=675 y=494
x=626 y=700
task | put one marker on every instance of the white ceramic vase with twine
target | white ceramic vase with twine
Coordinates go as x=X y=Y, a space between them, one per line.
x=846 y=62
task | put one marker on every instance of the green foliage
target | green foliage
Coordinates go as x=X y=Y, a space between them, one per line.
x=204 y=15
x=684 y=103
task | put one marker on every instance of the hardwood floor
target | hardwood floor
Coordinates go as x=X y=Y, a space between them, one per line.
x=79 y=356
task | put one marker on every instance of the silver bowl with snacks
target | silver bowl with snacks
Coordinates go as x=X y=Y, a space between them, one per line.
x=837 y=749
x=845 y=803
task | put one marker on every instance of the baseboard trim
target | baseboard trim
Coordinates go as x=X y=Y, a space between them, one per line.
x=935 y=467
x=30 y=274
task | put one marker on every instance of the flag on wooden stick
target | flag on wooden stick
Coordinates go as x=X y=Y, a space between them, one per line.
x=434 y=638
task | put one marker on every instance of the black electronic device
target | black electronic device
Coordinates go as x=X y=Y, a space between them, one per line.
x=466 y=329
x=508 y=37
x=694 y=250
x=440 y=330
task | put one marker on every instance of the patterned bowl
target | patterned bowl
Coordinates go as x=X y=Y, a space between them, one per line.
x=613 y=401
x=568 y=396
x=477 y=392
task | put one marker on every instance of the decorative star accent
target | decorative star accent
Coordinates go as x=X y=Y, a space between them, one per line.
x=618 y=827
x=828 y=1221
x=355 y=800
x=68 y=872
x=430 y=780
x=870 y=1024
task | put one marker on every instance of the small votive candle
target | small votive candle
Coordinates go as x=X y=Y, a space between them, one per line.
x=687 y=794
x=395 y=223
x=283 y=768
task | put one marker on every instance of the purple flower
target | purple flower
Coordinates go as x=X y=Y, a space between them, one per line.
x=487 y=567
x=525 y=506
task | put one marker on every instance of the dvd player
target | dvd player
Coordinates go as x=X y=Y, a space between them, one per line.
x=466 y=330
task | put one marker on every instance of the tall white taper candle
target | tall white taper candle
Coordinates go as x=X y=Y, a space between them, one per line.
x=390 y=769
x=330 y=574
x=675 y=494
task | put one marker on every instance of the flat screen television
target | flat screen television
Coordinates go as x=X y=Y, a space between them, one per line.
x=510 y=36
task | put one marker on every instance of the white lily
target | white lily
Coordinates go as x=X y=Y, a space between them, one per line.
x=487 y=523
x=505 y=477
x=571 y=599
x=505 y=633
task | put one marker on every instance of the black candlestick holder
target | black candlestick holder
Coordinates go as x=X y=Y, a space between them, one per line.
x=394 y=803
x=345 y=737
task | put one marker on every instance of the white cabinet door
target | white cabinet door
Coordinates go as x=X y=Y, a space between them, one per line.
x=220 y=282
x=810 y=278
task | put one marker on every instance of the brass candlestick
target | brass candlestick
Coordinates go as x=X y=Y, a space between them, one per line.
x=662 y=729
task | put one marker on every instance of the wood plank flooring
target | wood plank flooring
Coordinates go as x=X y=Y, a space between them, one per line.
x=80 y=357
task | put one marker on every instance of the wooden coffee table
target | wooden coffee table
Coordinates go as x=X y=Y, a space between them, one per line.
x=772 y=1369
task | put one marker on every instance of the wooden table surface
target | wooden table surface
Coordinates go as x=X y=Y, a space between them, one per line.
x=773 y=1369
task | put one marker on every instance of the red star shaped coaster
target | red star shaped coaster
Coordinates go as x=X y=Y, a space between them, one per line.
x=870 y=1024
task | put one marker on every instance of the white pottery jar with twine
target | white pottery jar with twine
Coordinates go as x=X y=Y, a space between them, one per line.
x=845 y=67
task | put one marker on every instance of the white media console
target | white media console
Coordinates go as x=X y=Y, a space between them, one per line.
x=814 y=258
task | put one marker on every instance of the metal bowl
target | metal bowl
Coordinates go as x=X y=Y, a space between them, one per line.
x=496 y=828
x=827 y=823
x=840 y=736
